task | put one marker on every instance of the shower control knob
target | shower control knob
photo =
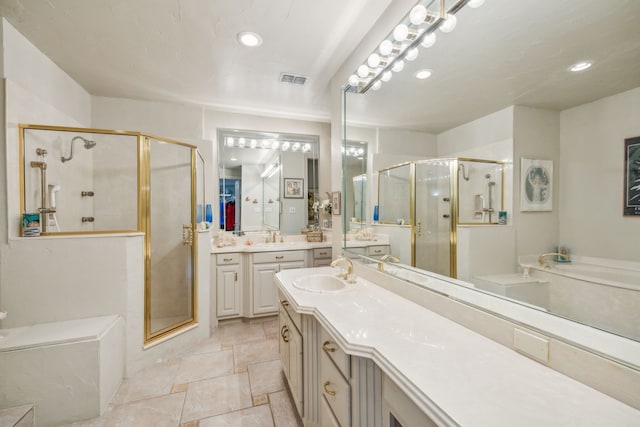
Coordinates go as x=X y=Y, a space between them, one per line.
x=88 y=219
x=446 y=199
x=446 y=216
x=87 y=193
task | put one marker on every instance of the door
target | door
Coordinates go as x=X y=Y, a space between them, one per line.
x=228 y=290
x=433 y=217
x=265 y=299
x=169 y=244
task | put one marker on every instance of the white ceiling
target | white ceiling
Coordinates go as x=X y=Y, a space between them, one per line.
x=506 y=52
x=187 y=51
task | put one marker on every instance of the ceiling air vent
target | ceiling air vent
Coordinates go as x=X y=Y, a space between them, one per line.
x=293 y=78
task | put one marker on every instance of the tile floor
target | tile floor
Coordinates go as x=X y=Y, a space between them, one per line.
x=234 y=378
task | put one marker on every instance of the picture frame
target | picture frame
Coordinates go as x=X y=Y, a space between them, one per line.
x=536 y=185
x=631 y=193
x=293 y=188
x=335 y=202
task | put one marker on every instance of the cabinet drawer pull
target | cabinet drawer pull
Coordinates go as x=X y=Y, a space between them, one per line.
x=378 y=251
x=323 y=253
x=326 y=389
x=236 y=276
x=325 y=346
x=280 y=257
x=284 y=331
x=285 y=303
x=227 y=259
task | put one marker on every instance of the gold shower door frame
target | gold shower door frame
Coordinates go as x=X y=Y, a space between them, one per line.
x=143 y=220
x=151 y=336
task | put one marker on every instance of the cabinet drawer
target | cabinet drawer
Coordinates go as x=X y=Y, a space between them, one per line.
x=326 y=416
x=322 y=253
x=335 y=389
x=378 y=250
x=281 y=256
x=331 y=348
x=223 y=259
x=296 y=317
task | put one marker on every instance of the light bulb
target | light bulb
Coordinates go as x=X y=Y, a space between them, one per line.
x=418 y=15
x=249 y=39
x=275 y=145
x=229 y=142
x=285 y=146
x=475 y=3
x=398 y=66
x=386 y=76
x=354 y=80
x=449 y=24
x=374 y=60
x=377 y=85
x=363 y=71
x=241 y=142
x=401 y=32
x=295 y=146
x=253 y=143
x=411 y=54
x=429 y=40
x=386 y=47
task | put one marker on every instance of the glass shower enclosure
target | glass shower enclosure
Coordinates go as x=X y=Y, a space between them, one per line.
x=434 y=197
x=78 y=181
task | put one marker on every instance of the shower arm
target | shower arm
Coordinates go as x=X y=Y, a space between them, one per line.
x=87 y=144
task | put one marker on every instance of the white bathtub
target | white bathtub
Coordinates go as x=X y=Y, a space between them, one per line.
x=598 y=292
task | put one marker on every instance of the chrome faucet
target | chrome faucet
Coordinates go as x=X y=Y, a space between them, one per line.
x=390 y=258
x=346 y=276
x=541 y=258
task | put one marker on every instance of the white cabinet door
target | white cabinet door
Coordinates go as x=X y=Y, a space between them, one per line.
x=283 y=340
x=228 y=290
x=265 y=299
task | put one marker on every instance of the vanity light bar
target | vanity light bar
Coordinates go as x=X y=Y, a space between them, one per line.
x=418 y=28
x=268 y=144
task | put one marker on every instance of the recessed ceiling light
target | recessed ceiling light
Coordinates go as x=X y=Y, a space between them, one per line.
x=423 y=74
x=249 y=39
x=580 y=66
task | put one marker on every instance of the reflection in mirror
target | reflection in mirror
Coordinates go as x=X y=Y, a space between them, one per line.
x=480 y=112
x=252 y=168
x=355 y=157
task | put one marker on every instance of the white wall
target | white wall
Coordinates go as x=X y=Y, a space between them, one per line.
x=591 y=176
x=536 y=136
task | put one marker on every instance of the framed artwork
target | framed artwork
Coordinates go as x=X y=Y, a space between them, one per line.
x=293 y=188
x=335 y=202
x=631 y=177
x=536 y=185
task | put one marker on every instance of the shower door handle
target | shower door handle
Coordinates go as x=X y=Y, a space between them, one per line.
x=187 y=234
x=419 y=229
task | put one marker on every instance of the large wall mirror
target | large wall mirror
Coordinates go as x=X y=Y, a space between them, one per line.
x=472 y=107
x=268 y=181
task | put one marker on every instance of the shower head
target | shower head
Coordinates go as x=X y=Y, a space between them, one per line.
x=464 y=171
x=88 y=144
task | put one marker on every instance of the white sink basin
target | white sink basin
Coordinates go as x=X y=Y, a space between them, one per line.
x=322 y=283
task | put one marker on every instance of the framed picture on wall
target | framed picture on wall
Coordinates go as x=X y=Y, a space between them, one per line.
x=631 y=177
x=335 y=202
x=536 y=185
x=293 y=188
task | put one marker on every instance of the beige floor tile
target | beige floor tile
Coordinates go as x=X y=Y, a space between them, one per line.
x=284 y=414
x=210 y=345
x=266 y=377
x=155 y=412
x=179 y=388
x=263 y=399
x=156 y=380
x=255 y=352
x=236 y=333
x=259 y=416
x=271 y=327
x=205 y=365
x=189 y=424
x=217 y=396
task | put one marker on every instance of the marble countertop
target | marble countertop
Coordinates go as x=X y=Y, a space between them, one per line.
x=456 y=376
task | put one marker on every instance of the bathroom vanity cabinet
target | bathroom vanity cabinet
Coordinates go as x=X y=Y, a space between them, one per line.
x=262 y=289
